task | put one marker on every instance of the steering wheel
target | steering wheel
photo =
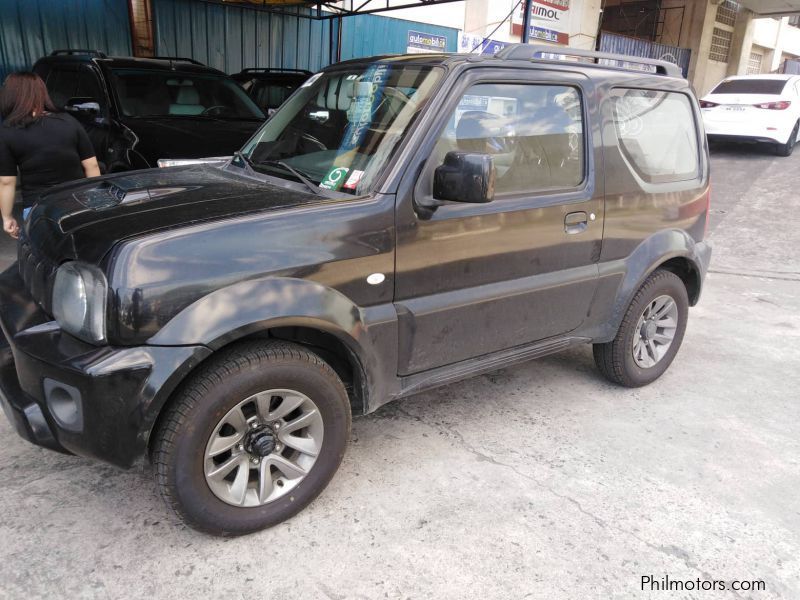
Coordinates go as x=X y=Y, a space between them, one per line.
x=210 y=108
x=394 y=101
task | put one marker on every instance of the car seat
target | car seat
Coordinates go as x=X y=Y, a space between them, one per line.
x=187 y=99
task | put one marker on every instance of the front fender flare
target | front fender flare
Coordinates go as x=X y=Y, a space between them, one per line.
x=253 y=306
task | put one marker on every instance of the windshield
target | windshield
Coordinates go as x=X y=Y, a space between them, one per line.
x=341 y=127
x=150 y=93
x=751 y=86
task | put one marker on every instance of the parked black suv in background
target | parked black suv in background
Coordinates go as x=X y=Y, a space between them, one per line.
x=399 y=224
x=140 y=110
x=269 y=88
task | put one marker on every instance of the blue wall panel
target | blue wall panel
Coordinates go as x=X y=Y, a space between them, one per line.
x=230 y=38
x=366 y=35
x=233 y=37
x=29 y=29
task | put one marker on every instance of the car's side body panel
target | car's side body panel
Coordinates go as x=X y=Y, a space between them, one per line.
x=474 y=279
x=183 y=274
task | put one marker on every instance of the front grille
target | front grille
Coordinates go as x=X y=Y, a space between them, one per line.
x=37 y=272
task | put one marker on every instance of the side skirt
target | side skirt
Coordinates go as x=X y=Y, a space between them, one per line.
x=420 y=382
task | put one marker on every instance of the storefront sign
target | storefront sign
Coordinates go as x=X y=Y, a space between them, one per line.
x=468 y=43
x=422 y=43
x=549 y=21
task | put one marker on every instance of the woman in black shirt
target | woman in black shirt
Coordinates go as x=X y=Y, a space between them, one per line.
x=46 y=146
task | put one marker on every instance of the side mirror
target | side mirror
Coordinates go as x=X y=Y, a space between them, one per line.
x=465 y=177
x=83 y=108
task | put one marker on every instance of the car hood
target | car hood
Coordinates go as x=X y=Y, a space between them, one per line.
x=83 y=220
x=187 y=137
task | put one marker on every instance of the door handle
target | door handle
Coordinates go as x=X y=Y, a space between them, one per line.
x=576 y=222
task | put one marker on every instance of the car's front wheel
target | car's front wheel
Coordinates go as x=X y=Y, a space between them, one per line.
x=252 y=438
x=650 y=334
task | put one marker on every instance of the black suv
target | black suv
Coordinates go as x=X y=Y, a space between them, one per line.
x=399 y=224
x=140 y=110
x=269 y=88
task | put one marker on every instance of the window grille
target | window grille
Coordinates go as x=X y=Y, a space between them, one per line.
x=720 y=45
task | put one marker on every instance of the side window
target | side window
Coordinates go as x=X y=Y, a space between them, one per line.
x=272 y=95
x=89 y=86
x=61 y=85
x=657 y=134
x=534 y=134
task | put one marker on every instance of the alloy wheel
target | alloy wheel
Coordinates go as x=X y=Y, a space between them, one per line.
x=263 y=447
x=655 y=331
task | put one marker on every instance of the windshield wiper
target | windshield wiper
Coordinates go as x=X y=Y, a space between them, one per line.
x=244 y=158
x=279 y=163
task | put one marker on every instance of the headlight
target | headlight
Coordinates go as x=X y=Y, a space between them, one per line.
x=79 y=301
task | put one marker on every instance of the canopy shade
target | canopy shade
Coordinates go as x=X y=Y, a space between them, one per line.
x=772 y=8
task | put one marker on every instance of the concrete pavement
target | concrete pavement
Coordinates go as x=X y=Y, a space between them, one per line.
x=540 y=481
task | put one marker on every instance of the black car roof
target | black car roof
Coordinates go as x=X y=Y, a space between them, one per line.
x=156 y=64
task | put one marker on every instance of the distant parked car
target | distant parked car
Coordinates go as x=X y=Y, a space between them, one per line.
x=755 y=108
x=269 y=88
x=140 y=110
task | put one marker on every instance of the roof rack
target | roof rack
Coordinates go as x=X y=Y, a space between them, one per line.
x=533 y=52
x=176 y=59
x=71 y=51
x=275 y=70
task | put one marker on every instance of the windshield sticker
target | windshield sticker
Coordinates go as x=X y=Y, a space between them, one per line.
x=334 y=179
x=354 y=180
x=311 y=80
x=368 y=99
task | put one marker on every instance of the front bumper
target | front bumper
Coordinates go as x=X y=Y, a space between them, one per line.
x=61 y=393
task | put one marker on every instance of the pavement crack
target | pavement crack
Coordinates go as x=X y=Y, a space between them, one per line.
x=668 y=550
x=490 y=459
x=773 y=275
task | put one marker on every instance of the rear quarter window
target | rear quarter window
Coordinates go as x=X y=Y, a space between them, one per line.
x=657 y=134
x=751 y=86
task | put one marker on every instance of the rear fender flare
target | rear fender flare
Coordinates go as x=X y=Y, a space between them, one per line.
x=653 y=252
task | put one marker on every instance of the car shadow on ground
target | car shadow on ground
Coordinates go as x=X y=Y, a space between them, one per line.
x=742 y=149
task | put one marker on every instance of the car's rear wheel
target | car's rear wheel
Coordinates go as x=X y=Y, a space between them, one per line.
x=650 y=334
x=787 y=148
x=252 y=439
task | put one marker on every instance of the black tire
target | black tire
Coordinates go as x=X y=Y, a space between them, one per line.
x=787 y=148
x=180 y=441
x=615 y=359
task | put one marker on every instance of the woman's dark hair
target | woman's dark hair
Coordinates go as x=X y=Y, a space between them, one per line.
x=24 y=99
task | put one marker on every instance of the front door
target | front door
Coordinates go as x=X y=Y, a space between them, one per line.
x=472 y=279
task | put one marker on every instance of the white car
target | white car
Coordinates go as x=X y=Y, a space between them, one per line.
x=754 y=108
